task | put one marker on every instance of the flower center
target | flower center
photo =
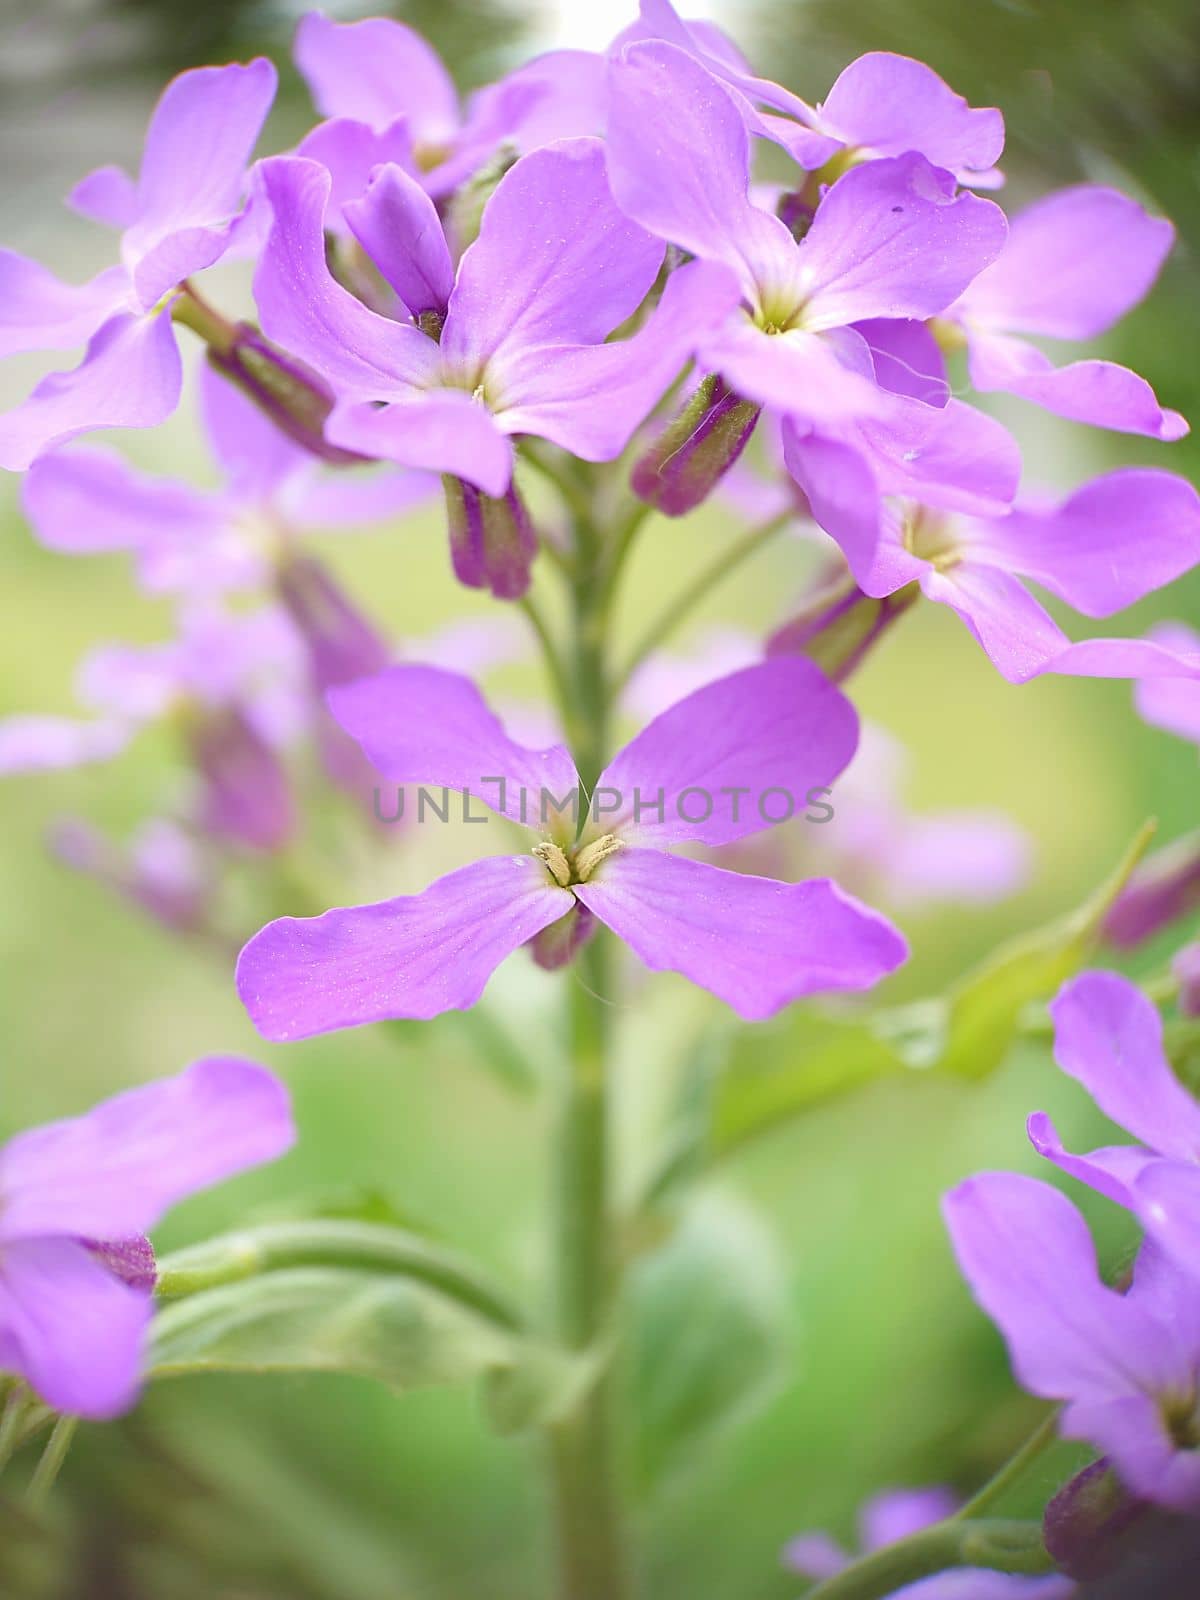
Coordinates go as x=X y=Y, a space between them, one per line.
x=1181 y=1418
x=578 y=865
x=931 y=537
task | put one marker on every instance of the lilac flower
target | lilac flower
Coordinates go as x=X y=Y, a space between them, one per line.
x=1111 y=542
x=179 y=217
x=392 y=100
x=894 y=1515
x=76 y=1197
x=89 y=500
x=1109 y=1037
x=162 y=871
x=889 y=240
x=233 y=687
x=881 y=105
x=1172 y=704
x=1126 y=1366
x=520 y=330
x=878 y=848
x=1060 y=277
x=773 y=731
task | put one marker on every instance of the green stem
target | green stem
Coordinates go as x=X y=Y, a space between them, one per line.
x=556 y=670
x=1013 y=1469
x=581 y=1445
x=997 y=1545
x=727 y=561
x=50 y=1463
x=11 y=1419
x=190 y=310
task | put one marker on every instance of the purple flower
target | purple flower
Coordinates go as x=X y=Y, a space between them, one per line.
x=1111 y=542
x=1074 y=264
x=89 y=500
x=881 y=105
x=718 y=766
x=1172 y=704
x=180 y=216
x=233 y=686
x=894 y=1515
x=392 y=100
x=1109 y=1037
x=162 y=870
x=76 y=1198
x=516 y=337
x=1125 y=1366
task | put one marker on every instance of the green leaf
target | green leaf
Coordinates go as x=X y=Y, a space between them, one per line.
x=983 y=1011
x=708 y=1333
x=780 y=1070
x=330 y=1319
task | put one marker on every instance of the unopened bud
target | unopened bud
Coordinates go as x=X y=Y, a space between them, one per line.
x=696 y=451
x=1163 y=889
x=246 y=794
x=840 y=626
x=1087 y=1520
x=342 y=645
x=558 y=944
x=492 y=542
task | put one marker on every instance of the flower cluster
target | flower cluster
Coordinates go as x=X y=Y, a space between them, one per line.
x=576 y=276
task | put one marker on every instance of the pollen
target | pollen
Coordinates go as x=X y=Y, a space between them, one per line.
x=590 y=857
x=555 y=861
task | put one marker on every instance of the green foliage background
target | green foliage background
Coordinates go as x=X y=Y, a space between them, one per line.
x=333 y=1489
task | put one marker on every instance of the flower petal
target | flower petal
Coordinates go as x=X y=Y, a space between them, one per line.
x=87 y=500
x=727 y=754
x=416 y=956
x=49 y=744
x=890 y=104
x=589 y=399
x=107 y=195
x=893 y=239
x=825 y=379
x=350 y=151
x=361 y=353
x=1112 y=542
x=1097 y=392
x=130 y=377
x=1063 y=272
x=1111 y=1171
x=40 y=312
x=1018 y=635
x=555 y=262
x=72 y=1330
x=1029 y=1259
x=114 y=1171
x=398 y=227
x=376 y=70
x=754 y=943
x=679 y=163
x=425 y=725
x=1109 y=1037
x=436 y=430
x=1172 y=703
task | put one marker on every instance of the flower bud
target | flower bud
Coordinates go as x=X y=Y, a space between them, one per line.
x=839 y=627
x=696 y=450
x=1186 y=969
x=342 y=645
x=246 y=795
x=558 y=944
x=1087 y=1520
x=1163 y=889
x=294 y=398
x=492 y=542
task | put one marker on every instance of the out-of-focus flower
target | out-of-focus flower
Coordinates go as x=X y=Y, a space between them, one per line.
x=1166 y=886
x=1172 y=704
x=234 y=687
x=704 y=771
x=180 y=216
x=894 y=1515
x=162 y=871
x=78 y=1198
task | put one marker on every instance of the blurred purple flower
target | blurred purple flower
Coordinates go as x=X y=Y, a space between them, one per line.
x=755 y=943
x=894 y=1515
x=75 y=1272
x=163 y=870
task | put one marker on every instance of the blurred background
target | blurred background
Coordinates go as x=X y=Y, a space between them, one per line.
x=882 y=1372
